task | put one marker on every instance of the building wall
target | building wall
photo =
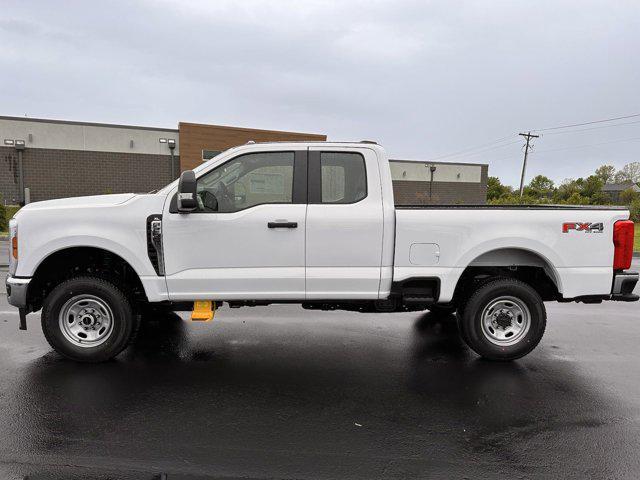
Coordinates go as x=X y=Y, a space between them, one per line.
x=418 y=171
x=67 y=135
x=9 y=184
x=65 y=158
x=194 y=138
x=453 y=183
x=50 y=173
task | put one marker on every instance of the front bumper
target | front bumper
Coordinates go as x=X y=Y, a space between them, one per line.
x=623 y=285
x=17 y=291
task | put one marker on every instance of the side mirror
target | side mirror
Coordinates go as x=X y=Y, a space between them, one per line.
x=187 y=199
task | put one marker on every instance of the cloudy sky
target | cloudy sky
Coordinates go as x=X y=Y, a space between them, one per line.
x=427 y=79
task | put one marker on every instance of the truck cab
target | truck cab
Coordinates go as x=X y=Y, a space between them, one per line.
x=283 y=222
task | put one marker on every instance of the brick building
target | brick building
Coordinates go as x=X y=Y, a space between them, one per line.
x=57 y=158
x=439 y=183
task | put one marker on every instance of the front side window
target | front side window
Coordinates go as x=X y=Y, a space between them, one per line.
x=343 y=177
x=247 y=181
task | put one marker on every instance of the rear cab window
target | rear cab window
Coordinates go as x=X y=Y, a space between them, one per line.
x=342 y=178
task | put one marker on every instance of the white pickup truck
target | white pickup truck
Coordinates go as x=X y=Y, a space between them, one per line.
x=313 y=224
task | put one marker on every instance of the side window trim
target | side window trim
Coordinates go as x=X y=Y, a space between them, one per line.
x=315 y=177
x=299 y=177
x=299 y=193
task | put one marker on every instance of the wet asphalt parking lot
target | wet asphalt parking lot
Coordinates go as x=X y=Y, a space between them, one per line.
x=279 y=392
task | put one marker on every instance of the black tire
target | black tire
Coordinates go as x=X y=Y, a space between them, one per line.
x=470 y=320
x=124 y=323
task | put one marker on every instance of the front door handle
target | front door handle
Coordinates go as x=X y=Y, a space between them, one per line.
x=282 y=224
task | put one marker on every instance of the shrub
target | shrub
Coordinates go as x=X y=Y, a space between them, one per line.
x=6 y=213
x=629 y=196
x=634 y=208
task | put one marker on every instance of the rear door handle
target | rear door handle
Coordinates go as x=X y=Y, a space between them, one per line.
x=282 y=224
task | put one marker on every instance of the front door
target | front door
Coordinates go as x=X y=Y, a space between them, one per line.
x=344 y=224
x=246 y=241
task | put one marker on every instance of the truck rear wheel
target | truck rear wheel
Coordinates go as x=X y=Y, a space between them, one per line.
x=503 y=320
x=88 y=319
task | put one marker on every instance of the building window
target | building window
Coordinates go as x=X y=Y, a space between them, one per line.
x=209 y=154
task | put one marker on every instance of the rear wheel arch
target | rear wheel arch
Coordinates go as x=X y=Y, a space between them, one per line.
x=521 y=264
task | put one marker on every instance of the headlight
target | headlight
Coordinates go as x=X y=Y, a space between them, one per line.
x=13 y=246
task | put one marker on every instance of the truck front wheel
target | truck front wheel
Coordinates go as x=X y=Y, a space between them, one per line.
x=503 y=320
x=88 y=319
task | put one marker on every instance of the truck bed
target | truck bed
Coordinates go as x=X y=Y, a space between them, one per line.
x=440 y=241
x=511 y=207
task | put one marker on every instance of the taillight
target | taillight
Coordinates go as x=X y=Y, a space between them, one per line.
x=14 y=246
x=623 y=244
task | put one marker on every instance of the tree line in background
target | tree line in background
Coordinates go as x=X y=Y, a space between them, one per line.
x=579 y=191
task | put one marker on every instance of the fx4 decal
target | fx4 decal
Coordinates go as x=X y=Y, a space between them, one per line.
x=586 y=227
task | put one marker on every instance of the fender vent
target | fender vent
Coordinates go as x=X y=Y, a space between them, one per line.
x=154 y=243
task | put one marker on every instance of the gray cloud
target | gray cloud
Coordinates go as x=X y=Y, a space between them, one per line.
x=423 y=78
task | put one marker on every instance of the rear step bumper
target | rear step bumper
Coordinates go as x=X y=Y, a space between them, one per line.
x=623 y=285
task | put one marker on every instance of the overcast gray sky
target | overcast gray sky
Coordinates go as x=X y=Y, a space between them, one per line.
x=425 y=79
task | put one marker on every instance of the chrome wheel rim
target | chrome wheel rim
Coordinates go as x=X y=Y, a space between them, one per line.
x=86 y=321
x=505 y=321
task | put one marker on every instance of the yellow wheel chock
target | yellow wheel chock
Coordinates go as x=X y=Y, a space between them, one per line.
x=203 y=311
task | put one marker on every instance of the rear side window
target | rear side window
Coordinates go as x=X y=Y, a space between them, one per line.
x=343 y=177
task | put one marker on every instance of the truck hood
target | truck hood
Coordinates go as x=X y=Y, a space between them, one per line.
x=94 y=200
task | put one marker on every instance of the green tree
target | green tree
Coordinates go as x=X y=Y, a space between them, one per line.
x=600 y=198
x=592 y=186
x=634 y=208
x=540 y=187
x=620 y=177
x=576 y=199
x=629 y=196
x=606 y=173
x=496 y=190
x=629 y=173
x=632 y=171
x=568 y=187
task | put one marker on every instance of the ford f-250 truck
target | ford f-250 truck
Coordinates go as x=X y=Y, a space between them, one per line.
x=313 y=224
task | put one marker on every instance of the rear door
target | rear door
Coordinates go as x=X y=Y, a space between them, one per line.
x=344 y=224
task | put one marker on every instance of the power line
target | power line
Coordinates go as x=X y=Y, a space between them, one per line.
x=621 y=140
x=478 y=152
x=465 y=151
x=594 y=128
x=586 y=123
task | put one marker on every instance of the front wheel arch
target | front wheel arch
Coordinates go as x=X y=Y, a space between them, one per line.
x=75 y=261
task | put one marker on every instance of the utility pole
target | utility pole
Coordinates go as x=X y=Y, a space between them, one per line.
x=528 y=136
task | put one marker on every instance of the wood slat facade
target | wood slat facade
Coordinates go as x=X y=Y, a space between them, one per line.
x=194 y=138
